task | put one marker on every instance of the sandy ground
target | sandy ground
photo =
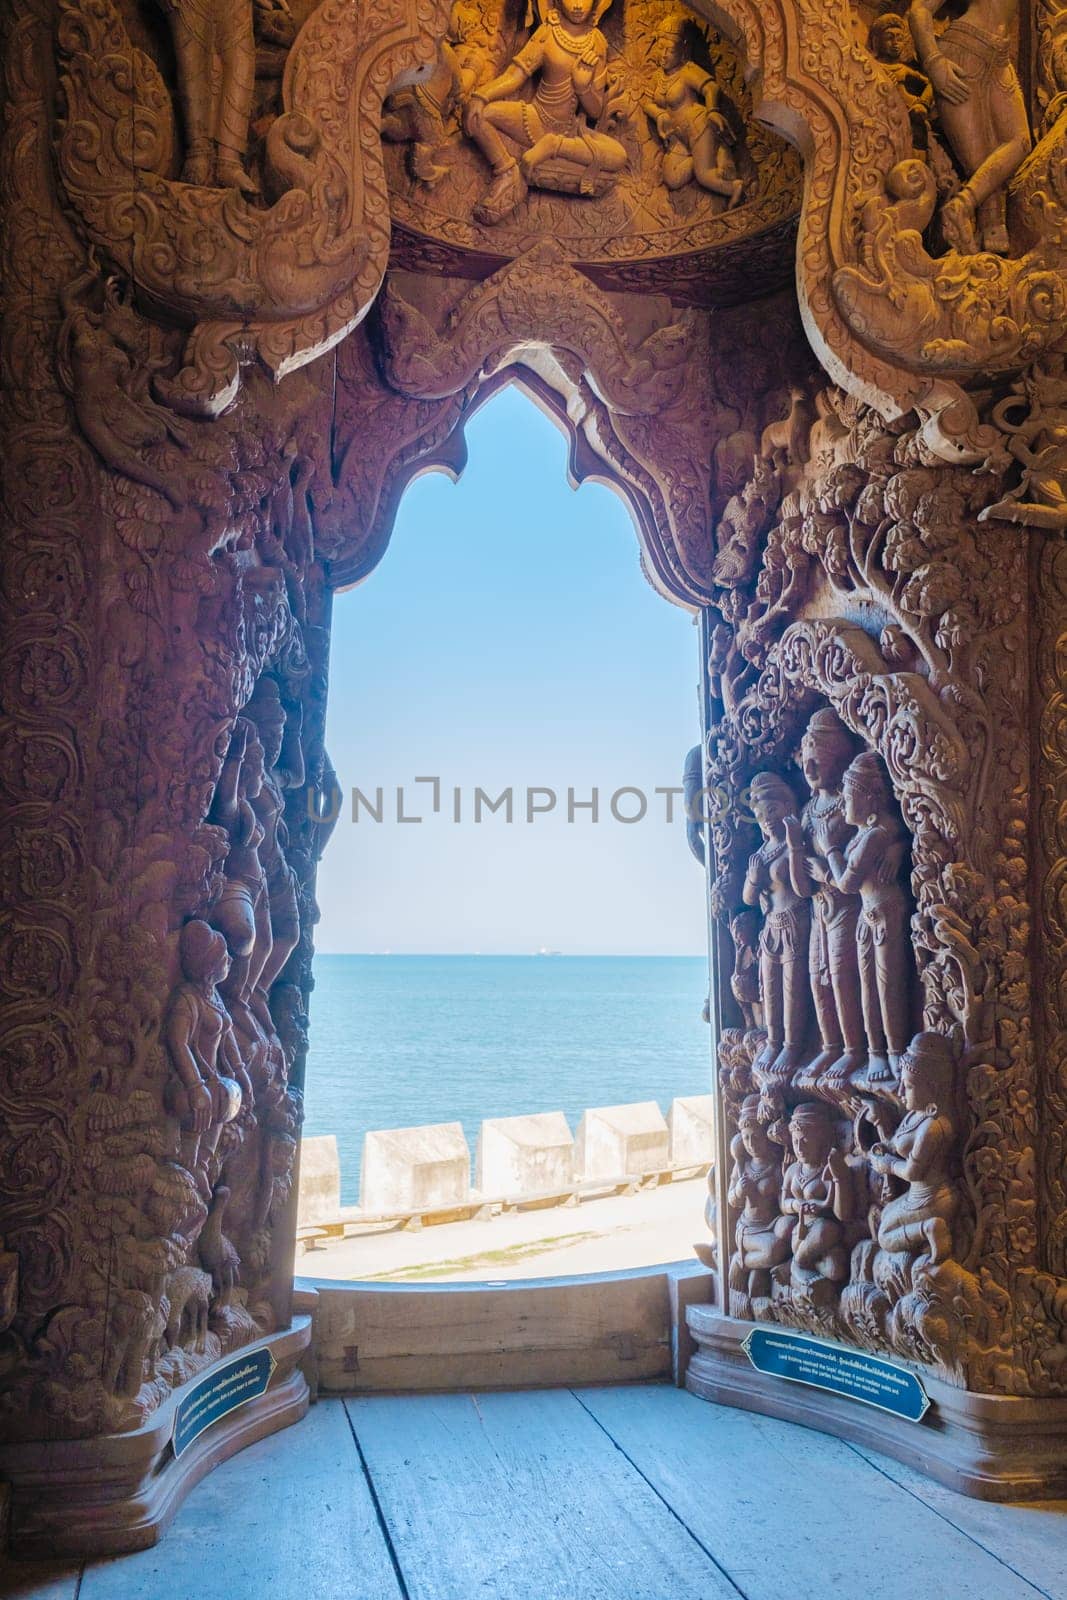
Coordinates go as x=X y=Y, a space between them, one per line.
x=602 y=1235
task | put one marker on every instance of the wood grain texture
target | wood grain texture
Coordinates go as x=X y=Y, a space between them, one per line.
x=1032 y=1539
x=607 y=1329
x=520 y=1497
x=729 y=1477
x=291 y=1518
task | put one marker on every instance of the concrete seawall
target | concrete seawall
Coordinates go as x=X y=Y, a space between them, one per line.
x=424 y=1173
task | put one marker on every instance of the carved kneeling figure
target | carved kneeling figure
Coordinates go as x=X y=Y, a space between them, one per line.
x=754 y=1181
x=816 y=1202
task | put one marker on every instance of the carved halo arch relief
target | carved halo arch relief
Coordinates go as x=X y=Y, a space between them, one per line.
x=805 y=314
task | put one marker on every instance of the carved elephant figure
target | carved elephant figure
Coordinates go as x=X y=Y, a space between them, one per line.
x=189 y=1293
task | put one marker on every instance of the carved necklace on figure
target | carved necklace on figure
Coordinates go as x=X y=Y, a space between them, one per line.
x=567 y=41
x=769 y=851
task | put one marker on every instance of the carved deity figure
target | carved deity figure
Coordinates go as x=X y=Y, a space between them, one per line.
x=892 y=45
x=425 y=114
x=568 y=57
x=918 y=1154
x=755 y=1178
x=269 y=717
x=209 y=1081
x=982 y=111
x=784 y=937
x=871 y=865
x=816 y=1201
x=833 y=964
x=242 y=911
x=684 y=105
x=745 y=980
x=215 y=50
x=746 y=517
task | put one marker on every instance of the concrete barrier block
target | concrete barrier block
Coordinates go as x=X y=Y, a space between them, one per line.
x=691 y=1124
x=319 y=1194
x=415 y=1169
x=524 y=1155
x=613 y=1140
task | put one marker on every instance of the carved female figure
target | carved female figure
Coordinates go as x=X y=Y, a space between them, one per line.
x=833 y=967
x=919 y=1154
x=199 y=1039
x=753 y=1189
x=982 y=112
x=871 y=866
x=816 y=1199
x=684 y=106
x=242 y=912
x=784 y=938
x=568 y=56
x=269 y=716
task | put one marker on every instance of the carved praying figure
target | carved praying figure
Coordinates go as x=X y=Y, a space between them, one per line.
x=982 y=111
x=215 y=50
x=817 y=1200
x=209 y=1081
x=833 y=966
x=684 y=105
x=919 y=1153
x=753 y=1190
x=871 y=865
x=568 y=57
x=784 y=938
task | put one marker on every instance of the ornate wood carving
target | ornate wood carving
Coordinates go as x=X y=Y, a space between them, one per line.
x=279 y=276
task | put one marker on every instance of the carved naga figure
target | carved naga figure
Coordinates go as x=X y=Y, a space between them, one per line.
x=568 y=56
x=825 y=751
x=871 y=866
x=784 y=939
x=684 y=105
x=982 y=111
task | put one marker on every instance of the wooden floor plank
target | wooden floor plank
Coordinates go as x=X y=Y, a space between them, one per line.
x=1030 y=1538
x=795 y=1515
x=39 y=1580
x=522 y=1497
x=291 y=1518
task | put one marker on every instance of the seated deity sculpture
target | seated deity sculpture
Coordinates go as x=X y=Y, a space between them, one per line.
x=871 y=865
x=684 y=105
x=816 y=1203
x=209 y=1083
x=783 y=943
x=982 y=111
x=918 y=1222
x=555 y=130
x=833 y=963
x=754 y=1183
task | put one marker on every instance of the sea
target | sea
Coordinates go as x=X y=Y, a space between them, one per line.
x=401 y=1040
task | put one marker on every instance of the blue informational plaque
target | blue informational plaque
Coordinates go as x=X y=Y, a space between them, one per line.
x=219 y=1392
x=798 y=1359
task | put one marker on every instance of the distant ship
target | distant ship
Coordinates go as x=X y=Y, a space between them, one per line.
x=544 y=952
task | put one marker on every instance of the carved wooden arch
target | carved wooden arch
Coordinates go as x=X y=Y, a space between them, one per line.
x=639 y=408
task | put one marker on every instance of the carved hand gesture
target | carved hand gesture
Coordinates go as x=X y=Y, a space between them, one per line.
x=794 y=833
x=949 y=81
x=585 y=70
x=201 y=1105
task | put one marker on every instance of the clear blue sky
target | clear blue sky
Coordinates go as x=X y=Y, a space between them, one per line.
x=509 y=637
